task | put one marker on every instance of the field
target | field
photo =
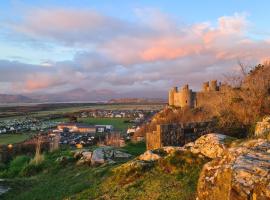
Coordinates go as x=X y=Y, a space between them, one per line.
x=13 y=138
x=40 y=110
x=118 y=123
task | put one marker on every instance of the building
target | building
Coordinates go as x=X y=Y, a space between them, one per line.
x=185 y=97
x=77 y=128
x=104 y=128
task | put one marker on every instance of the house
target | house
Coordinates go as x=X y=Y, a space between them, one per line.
x=104 y=128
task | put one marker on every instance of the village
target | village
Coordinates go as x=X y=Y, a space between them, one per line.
x=79 y=129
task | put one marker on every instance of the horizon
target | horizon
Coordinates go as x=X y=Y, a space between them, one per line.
x=123 y=48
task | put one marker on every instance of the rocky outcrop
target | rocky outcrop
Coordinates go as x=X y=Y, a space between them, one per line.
x=149 y=156
x=211 y=145
x=241 y=173
x=262 y=128
x=100 y=155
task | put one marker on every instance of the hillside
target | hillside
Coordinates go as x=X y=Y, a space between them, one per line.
x=173 y=177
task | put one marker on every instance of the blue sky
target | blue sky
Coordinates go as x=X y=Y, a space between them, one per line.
x=127 y=45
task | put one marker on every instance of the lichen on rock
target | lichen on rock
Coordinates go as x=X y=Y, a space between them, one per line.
x=241 y=173
x=262 y=128
x=211 y=145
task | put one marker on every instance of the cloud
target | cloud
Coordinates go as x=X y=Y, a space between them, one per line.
x=71 y=26
x=153 y=51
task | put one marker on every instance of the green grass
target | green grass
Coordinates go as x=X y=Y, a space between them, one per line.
x=135 y=148
x=173 y=177
x=118 y=123
x=13 y=138
x=59 y=120
x=56 y=180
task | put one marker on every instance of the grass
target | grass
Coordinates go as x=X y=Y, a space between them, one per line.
x=173 y=177
x=13 y=138
x=54 y=180
x=151 y=181
x=135 y=148
x=118 y=123
x=59 y=120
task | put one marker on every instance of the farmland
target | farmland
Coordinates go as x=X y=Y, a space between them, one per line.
x=118 y=123
x=13 y=138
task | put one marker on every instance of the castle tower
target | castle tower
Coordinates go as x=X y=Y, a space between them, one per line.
x=172 y=93
x=186 y=97
x=205 y=86
x=213 y=85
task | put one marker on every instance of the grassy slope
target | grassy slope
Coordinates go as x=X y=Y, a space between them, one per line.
x=118 y=123
x=13 y=138
x=61 y=181
x=172 y=178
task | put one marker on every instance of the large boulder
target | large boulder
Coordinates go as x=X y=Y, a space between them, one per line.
x=262 y=128
x=101 y=155
x=242 y=173
x=98 y=156
x=211 y=145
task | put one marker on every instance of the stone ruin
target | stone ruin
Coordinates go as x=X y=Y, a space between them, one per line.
x=175 y=134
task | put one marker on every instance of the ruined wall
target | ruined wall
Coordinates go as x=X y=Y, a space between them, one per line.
x=171 y=135
x=175 y=134
x=165 y=135
x=153 y=140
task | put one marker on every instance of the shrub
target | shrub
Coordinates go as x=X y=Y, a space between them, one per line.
x=32 y=169
x=17 y=165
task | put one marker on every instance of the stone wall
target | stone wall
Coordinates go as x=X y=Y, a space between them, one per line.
x=175 y=134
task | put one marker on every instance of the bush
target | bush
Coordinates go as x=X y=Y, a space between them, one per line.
x=32 y=169
x=17 y=165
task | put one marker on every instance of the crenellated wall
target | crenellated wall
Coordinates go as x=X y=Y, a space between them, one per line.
x=187 y=98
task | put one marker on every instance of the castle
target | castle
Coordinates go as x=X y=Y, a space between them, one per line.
x=188 y=98
x=179 y=134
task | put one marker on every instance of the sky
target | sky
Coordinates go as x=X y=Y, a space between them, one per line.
x=120 y=46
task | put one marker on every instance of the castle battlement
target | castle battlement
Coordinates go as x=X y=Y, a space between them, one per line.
x=185 y=97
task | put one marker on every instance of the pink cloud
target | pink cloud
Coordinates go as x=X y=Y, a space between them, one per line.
x=155 y=49
x=38 y=81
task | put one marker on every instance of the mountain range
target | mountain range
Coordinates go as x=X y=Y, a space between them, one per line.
x=82 y=95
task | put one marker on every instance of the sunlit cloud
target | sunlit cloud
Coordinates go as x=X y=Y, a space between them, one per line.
x=153 y=51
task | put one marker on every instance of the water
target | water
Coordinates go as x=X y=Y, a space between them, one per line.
x=3 y=189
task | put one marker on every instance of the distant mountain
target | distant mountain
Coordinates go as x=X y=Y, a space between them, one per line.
x=83 y=95
x=137 y=100
x=75 y=95
x=12 y=98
